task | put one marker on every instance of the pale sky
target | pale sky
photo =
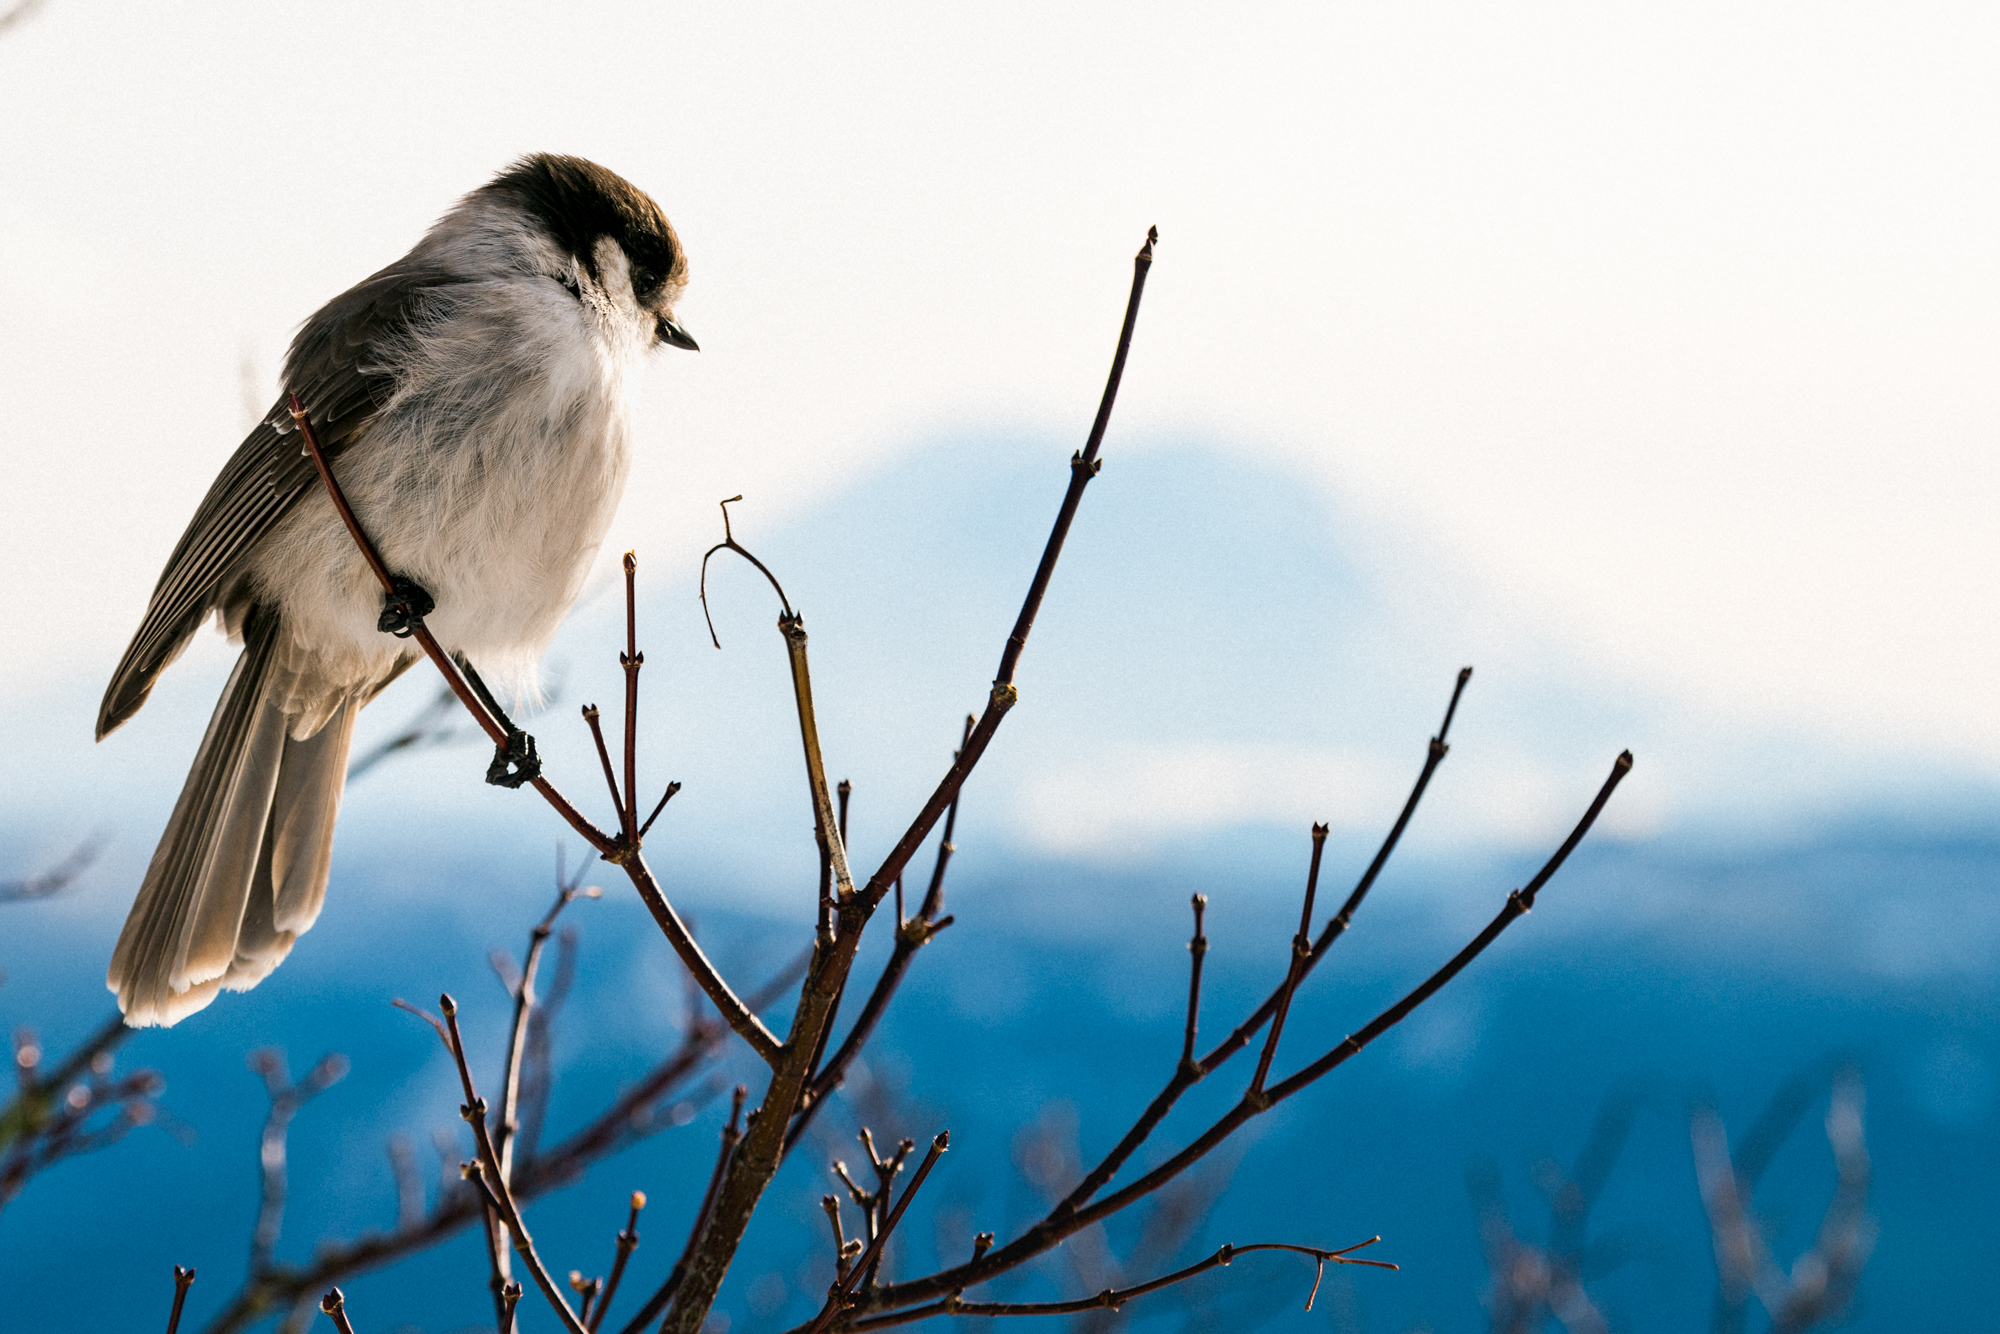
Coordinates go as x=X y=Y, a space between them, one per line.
x=1672 y=330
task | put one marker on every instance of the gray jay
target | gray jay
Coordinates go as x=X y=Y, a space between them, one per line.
x=474 y=400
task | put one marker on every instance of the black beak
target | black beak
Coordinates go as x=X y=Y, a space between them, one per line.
x=674 y=336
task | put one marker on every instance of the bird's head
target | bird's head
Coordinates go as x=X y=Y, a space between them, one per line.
x=613 y=249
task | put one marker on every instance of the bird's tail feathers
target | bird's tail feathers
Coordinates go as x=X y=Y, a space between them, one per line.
x=241 y=870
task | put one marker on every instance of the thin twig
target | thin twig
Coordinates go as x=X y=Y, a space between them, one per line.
x=57 y=878
x=665 y=797
x=1197 y=950
x=628 y=1242
x=183 y=1280
x=286 y=1100
x=1083 y=467
x=732 y=1135
x=1113 y=1298
x=1301 y=951
x=617 y=1126
x=474 y=1112
x=593 y=720
x=517 y=1033
x=335 y=1306
x=631 y=660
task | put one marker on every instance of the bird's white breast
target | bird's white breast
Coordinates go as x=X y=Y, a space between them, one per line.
x=489 y=479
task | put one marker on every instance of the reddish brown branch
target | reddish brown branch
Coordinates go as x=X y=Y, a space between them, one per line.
x=628 y=1242
x=1083 y=467
x=631 y=660
x=625 y=1120
x=524 y=1004
x=1111 y=1299
x=1295 y=969
x=596 y=837
x=732 y=1135
x=592 y=720
x=1068 y=1218
x=665 y=797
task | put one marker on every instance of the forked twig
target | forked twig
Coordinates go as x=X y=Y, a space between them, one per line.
x=627 y=1119
x=335 y=1306
x=843 y=1286
x=911 y=936
x=1112 y=1299
x=1301 y=951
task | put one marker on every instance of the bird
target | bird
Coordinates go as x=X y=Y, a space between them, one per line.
x=474 y=400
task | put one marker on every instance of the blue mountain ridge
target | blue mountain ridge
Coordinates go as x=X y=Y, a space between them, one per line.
x=1203 y=600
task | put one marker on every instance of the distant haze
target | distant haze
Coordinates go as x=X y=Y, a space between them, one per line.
x=1659 y=341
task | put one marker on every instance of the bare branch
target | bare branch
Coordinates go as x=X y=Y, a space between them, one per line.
x=1113 y=1298
x=1082 y=468
x=732 y=1135
x=843 y=1288
x=1197 y=950
x=60 y=1115
x=631 y=660
x=1187 y=1074
x=911 y=936
x=455 y=679
x=495 y=1184
x=1068 y=1218
x=628 y=1241
x=625 y=1121
x=1301 y=950
x=762 y=1150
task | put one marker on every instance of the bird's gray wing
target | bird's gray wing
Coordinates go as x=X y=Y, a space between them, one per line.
x=340 y=365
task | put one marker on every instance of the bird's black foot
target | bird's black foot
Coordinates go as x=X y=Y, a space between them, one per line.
x=404 y=609
x=515 y=763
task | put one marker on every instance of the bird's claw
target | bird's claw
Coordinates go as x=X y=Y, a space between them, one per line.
x=515 y=763
x=404 y=608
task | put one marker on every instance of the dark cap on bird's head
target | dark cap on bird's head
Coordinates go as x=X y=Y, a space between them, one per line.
x=579 y=202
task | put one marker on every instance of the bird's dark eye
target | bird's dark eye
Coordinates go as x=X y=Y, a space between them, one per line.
x=644 y=282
